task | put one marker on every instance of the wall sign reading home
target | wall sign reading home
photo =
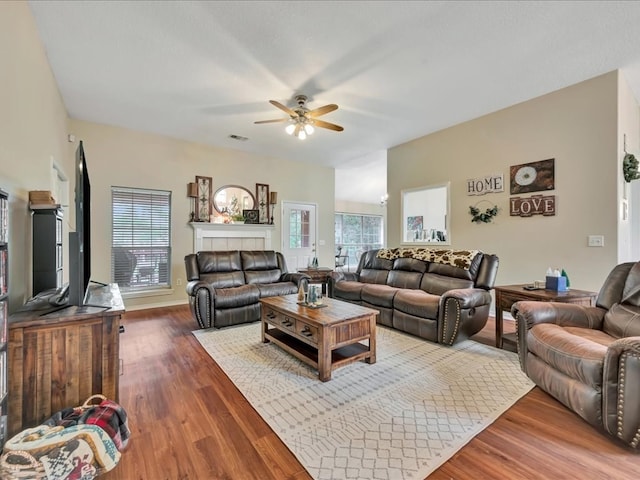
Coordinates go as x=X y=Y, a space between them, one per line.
x=534 y=205
x=532 y=177
x=488 y=184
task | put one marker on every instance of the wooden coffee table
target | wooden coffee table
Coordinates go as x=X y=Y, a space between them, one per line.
x=325 y=338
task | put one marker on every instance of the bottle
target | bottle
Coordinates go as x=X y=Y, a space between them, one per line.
x=313 y=297
x=564 y=274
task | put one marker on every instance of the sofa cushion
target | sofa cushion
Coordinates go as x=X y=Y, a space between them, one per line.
x=622 y=320
x=276 y=289
x=236 y=296
x=457 y=272
x=348 y=290
x=439 y=284
x=379 y=295
x=575 y=351
x=417 y=303
x=262 y=276
x=221 y=269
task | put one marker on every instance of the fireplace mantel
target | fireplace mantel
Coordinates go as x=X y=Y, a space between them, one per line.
x=231 y=236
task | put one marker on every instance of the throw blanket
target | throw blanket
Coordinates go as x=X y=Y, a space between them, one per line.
x=456 y=258
x=108 y=415
x=72 y=453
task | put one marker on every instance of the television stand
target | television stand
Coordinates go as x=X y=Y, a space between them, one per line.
x=73 y=353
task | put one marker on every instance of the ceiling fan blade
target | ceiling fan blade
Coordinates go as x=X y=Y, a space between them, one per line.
x=330 y=126
x=316 y=112
x=283 y=108
x=273 y=121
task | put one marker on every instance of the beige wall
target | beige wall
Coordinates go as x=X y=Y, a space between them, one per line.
x=578 y=127
x=33 y=126
x=121 y=157
x=629 y=139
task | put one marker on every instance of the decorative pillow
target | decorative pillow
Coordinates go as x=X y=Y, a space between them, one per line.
x=457 y=258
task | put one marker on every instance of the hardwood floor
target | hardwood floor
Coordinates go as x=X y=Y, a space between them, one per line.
x=188 y=421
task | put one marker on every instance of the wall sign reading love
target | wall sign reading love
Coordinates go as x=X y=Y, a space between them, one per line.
x=533 y=205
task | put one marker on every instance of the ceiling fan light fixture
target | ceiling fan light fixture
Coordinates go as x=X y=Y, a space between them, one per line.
x=308 y=129
x=290 y=128
x=301 y=134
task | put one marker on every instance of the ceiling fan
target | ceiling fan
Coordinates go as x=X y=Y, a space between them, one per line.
x=302 y=120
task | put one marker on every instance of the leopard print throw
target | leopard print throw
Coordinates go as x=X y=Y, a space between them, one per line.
x=456 y=258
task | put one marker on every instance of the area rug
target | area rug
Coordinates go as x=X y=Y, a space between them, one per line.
x=400 y=418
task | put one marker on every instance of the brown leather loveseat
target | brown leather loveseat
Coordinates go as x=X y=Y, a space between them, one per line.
x=588 y=358
x=437 y=294
x=225 y=287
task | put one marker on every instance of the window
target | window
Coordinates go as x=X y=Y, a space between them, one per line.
x=357 y=233
x=299 y=228
x=140 y=238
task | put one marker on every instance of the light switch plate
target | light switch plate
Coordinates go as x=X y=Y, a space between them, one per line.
x=596 y=240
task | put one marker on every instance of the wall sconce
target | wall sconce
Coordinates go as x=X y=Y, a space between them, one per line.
x=273 y=199
x=192 y=193
x=384 y=199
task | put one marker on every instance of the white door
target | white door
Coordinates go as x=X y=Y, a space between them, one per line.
x=298 y=234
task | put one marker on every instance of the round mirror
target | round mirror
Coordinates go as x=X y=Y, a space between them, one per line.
x=232 y=199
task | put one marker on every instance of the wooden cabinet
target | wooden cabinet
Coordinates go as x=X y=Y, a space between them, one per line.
x=60 y=357
x=4 y=294
x=47 y=247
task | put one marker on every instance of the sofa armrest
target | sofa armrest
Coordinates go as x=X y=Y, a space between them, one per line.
x=335 y=277
x=297 y=278
x=193 y=286
x=201 y=301
x=463 y=312
x=620 y=390
x=467 y=297
x=529 y=313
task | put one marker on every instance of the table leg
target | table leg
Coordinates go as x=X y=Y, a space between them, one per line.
x=372 y=340
x=499 y=322
x=324 y=357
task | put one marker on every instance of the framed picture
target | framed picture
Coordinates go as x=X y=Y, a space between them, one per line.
x=251 y=216
x=262 y=202
x=203 y=210
x=532 y=177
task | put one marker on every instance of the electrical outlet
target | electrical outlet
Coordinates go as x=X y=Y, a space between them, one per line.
x=596 y=240
x=179 y=281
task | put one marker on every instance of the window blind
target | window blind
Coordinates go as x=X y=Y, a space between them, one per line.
x=141 y=238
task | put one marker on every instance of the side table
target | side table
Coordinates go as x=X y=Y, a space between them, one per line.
x=318 y=275
x=507 y=295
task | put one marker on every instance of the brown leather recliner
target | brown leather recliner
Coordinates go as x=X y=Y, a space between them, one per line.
x=588 y=358
x=225 y=287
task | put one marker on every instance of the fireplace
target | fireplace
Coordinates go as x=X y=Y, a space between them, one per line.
x=222 y=236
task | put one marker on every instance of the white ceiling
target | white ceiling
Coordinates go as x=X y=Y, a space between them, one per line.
x=203 y=70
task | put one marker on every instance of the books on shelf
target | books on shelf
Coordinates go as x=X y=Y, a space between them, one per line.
x=4 y=219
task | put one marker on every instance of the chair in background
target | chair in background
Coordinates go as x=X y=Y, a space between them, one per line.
x=588 y=358
x=124 y=264
x=342 y=260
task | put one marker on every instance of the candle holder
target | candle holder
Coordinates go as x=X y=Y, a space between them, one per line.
x=192 y=193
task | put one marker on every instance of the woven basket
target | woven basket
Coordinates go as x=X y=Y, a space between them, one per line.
x=18 y=464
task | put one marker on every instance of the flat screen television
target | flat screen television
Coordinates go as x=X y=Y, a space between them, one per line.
x=80 y=240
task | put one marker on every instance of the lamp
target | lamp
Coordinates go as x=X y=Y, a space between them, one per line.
x=192 y=193
x=300 y=127
x=273 y=199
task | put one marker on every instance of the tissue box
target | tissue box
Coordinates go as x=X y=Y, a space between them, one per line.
x=558 y=284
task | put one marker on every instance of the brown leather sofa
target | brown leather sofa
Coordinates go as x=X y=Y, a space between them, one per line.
x=225 y=287
x=437 y=294
x=588 y=358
